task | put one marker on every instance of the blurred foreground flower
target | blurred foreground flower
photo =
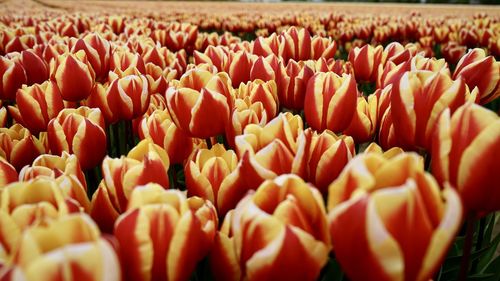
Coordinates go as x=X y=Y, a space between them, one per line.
x=389 y=220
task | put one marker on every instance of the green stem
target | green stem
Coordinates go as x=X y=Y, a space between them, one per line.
x=480 y=240
x=469 y=235
x=116 y=139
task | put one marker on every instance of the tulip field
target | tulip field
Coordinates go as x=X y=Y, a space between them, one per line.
x=144 y=141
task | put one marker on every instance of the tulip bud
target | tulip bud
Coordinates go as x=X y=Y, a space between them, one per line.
x=37 y=71
x=264 y=153
x=66 y=172
x=223 y=262
x=12 y=76
x=365 y=61
x=163 y=234
x=123 y=59
x=162 y=131
x=260 y=91
x=146 y=163
x=128 y=97
x=330 y=101
x=70 y=245
x=481 y=71
x=417 y=100
x=292 y=84
x=206 y=170
x=36 y=202
x=377 y=205
x=465 y=151
x=240 y=65
x=77 y=131
x=8 y=173
x=364 y=122
x=293 y=229
x=452 y=52
x=244 y=112
x=73 y=75
x=19 y=147
x=98 y=52
x=201 y=103
x=37 y=105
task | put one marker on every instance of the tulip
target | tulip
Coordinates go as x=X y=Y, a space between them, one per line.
x=68 y=248
x=452 y=52
x=292 y=83
x=207 y=169
x=330 y=101
x=3 y=116
x=37 y=105
x=222 y=258
x=73 y=75
x=264 y=153
x=201 y=103
x=66 y=172
x=76 y=131
x=322 y=47
x=364 y=122
x=394 y=211
x=417 y=101
x=19 y=147
x=13 y=76
x=321 y=157
x=465 y=151
x=98 y=52
x=8 y=173
x=244 y=112
x=36 y=202
x=296 y=44
x=160 y=128
x=365 y=61
x=163 y=234
x=239 y=66
x=264 y=68
x=128 y=97
x=37 y=71
x=123 y=59
x=281 y=232
x=481 y=71
x=146 y=163
x=260 y=91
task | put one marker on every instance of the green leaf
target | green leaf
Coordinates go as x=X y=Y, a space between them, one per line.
x=489 y=254
x=332 y=271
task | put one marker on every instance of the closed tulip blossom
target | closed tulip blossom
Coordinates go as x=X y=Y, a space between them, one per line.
x=417 y=99
x=465 y=151
x=260 y=91
x=146 y=163
x=201 y=102
x=280 y=231
x=206 y=170
x=160 y=128
x=8 y=173
x=128 y=97
x=37 y=105
x=77 y=131
x=19 y=146
x=330 y=101
x=389 y=219
x=73 y=75
x=481 y=71
x=163 y=234
x=68 y=248
x=365 y=61
x=13 y=76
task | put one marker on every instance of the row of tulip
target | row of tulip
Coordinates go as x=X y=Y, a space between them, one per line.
x=287 y=156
